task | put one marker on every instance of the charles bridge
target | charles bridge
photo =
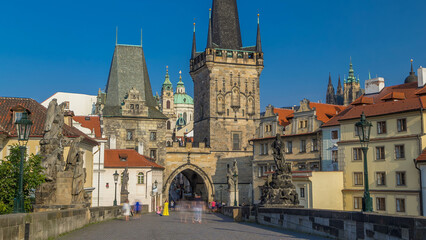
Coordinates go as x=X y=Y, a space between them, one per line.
x=232 y=223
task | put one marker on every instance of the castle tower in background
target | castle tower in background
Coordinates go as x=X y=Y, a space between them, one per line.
x=350 y=92
x=226 y=83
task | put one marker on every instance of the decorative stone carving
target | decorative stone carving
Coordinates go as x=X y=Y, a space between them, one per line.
x=279 y=189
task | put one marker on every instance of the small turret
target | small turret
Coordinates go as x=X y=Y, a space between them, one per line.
x=210 y=35
x=412 y=77
x=330 y=97
x=194 y=45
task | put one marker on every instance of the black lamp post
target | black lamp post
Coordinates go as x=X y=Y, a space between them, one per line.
x=115 y=181
x=364 y=130
x=23 y=129
x=221 y=190
x=235 y=189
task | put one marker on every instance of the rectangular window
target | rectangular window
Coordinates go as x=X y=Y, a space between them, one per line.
x=400 y=205
x=236 y=141
x=153 y=153
x=381 y=127
x=130 y=134
x=357 y=154
x=358 y=178
x=261 y=149
x=357 y=202
x=399 y=152
x=400 y=178
x=334 y=134
x=401 y=125
x=302 y=192
x=381 y=178
x=380 y=153
x=265 y=149
x=334 y=156
x=356 y=131
x=262 y=170
x=153 y=136
x=302 y=146
x=380 y=204
x=289 y=147
x=314 y=145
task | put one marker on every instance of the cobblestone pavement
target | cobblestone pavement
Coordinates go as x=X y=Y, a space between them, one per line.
x=151 y=226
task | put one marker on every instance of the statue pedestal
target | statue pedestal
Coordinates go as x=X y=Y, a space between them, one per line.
x=124 y=196
x=232 y=198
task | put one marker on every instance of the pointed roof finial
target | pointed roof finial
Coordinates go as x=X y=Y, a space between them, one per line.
x=116 y=35
x=329 y=78
x=167 y=80
x=369 y=75
x=180 y=75
x=167 y=69
x=412 y=65
x=194 y=44
x=141 y=38
x=258 y=39
x=210 y=33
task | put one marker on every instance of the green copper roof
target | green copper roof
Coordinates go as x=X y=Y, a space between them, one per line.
x=180 y=83
x=183 y=98
x=351 y=77
x=167 y=85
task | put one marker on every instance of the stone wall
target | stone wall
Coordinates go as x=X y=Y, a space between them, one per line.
x=44 y=225
x=338 y=224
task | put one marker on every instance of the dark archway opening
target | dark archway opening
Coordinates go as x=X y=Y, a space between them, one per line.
x=186 y=186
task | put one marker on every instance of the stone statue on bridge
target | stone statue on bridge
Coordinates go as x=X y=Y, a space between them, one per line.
x=64 y=184
x=124 y=194
x=279 y=189
x=232 y=177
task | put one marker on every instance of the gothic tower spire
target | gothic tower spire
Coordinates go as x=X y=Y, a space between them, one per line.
x=258 y=40
x=226 y=24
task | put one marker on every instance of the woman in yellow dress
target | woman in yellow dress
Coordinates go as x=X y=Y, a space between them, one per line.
x=166 y=208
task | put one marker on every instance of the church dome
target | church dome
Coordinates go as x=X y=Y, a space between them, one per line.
x=183 y=98
x=412 y=77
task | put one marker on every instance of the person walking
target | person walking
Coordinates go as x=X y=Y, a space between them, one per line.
x=166 y=208
x=137 y=208
x=126 y=210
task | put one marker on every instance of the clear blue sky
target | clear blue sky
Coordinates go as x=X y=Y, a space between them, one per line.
x=51 y=46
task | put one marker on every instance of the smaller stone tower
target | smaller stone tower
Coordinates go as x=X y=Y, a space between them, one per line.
x=167 y=107
x=339 y=93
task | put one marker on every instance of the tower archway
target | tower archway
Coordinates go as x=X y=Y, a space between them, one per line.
x=189 y=180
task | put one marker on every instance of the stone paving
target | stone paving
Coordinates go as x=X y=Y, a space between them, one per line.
x=151 y=226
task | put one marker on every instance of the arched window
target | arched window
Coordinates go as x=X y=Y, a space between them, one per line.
x=168 y=104
x=141 y=178
x=184 y=117
x=168 y=125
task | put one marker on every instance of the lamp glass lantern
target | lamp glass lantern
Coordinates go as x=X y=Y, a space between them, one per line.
x=23 y=127
x=116 y=177
x=364 y=131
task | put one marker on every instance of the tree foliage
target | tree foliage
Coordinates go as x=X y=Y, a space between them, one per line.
x=9 y=175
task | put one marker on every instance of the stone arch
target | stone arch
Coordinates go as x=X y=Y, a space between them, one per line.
x=189 y=166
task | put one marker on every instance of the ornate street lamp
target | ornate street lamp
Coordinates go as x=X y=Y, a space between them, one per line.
x=364 y=129
x=115 y=181
x=23 y=129
x=235 y=189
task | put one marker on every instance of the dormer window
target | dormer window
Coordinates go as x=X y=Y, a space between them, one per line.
x=123 y=157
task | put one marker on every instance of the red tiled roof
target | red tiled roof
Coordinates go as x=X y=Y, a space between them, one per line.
x=37 y=116
x=91 y=122
x=394 y=96
x=325 y=112
x=134 y=159
x=381 y=106
x=362 y=100
x=422 y=91
x=422 y=156
x=283 y=115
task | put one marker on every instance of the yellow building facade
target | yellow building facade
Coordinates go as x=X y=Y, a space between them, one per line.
x=397 y=138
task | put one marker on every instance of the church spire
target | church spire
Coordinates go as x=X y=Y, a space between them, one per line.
x=210 y=34
x=351 y=76
x=258 y=40
x=330 y=97
x=226 y=32
x=194 y=45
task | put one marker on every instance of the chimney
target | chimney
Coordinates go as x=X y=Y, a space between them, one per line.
x=421 y=74
x=374 y=85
